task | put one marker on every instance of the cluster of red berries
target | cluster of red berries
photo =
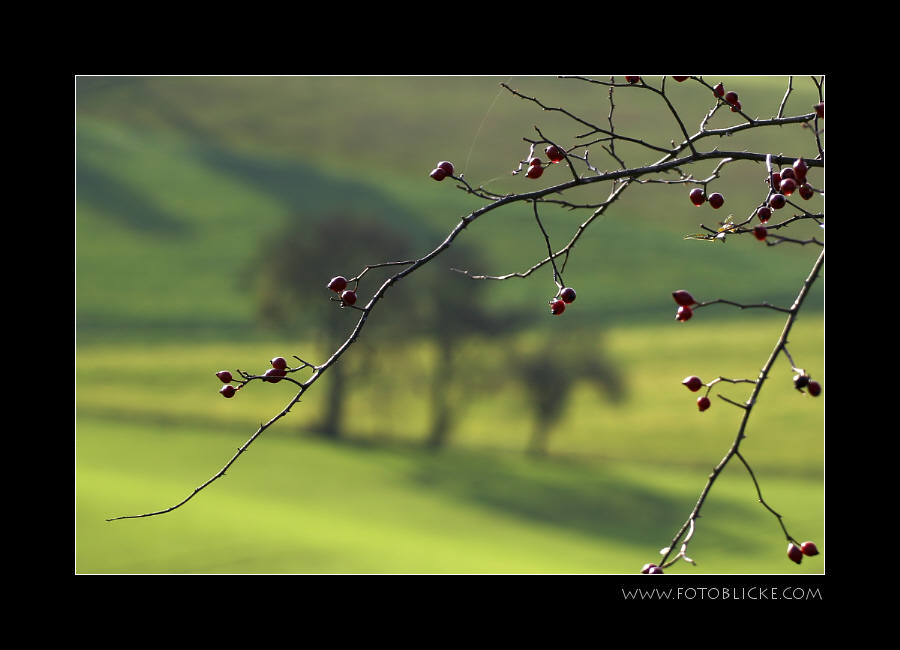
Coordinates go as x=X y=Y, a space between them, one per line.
x=339 y=286
x=566 y=296
x=273 y=375
x=731 y=97
x=795 y=553
x=536 y=165
x=698 y=198
x=802 y=381
x=651 y=569
x=685 y=303
x=789 y=180
x=784 y=183
x=442 y=171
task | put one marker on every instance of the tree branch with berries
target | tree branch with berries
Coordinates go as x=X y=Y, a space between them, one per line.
x=786 y=180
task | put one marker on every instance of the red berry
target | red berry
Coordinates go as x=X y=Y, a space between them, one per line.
x=776 y=179
x=788 y=172
x=694 y=383
x=794 y=553
x=680 y=79
x=683 y=297
x=535 y=171
x=224 y=375
x=557 y=307
x=567 y=295
x=279 y=362
x=788 y=185
x=764 y=213
x=800 y=169
x=438 y=174
x=698 y=198
x=554 y=153
x=716 y=200
x=820 y=109
x=534 y=161
x=814 y=388
x=338 y=284
x=731 y=97
x=348 y=297
x=274 y=375
x=228 y=391
x=703 y=403
x=447 y=167
x=736 y=107
x=801 y=381
x=809 y=549
x=760 y=232
x=655 y=571
x=777 y=201
x=684 y=313
x=648 y=567
x=719 y=89
x=806 y=191
x=633 y=79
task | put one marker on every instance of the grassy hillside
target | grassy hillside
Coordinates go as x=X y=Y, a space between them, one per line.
x=180 y=180
x=304 y=506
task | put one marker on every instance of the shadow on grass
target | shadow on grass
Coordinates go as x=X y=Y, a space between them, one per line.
x=588 y=498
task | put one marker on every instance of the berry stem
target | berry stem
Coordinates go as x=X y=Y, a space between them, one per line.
x=557 y=276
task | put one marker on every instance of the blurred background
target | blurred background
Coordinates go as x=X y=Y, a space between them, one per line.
x=468 y=431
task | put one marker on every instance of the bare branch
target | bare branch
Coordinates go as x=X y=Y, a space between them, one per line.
x=670 y=168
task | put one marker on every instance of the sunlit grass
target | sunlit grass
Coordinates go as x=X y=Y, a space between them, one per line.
x=176 y=382
x=619 y=482
x=305 y=506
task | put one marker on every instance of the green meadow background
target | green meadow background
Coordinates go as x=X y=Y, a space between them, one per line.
x=183 y=184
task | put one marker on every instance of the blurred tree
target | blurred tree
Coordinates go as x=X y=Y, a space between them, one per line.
x=293 y=267
x=290 y=274
x=549 y=375
x=289 y=277
x=456 y=315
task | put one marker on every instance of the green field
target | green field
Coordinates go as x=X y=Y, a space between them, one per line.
x=620 y=480
x=183 y=182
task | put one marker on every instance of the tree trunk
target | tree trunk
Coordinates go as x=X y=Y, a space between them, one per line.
x=537 y=445
x=441 y=409
x=331 y=424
